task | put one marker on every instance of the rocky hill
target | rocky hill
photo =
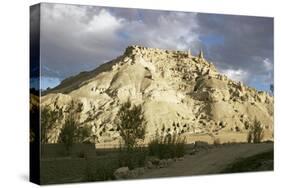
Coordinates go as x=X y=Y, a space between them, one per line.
x=182 y=92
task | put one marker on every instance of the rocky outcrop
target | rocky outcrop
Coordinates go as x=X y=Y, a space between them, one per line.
x=172 y=87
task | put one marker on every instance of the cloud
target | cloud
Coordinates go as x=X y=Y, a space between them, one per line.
x=240 y=45
x=76 y=37
x=171 y=30
x=268 y=77
x=79 y=38
x=104 y=22
x=238 y=75
x=34 y=42
x=268 y=65
x=82 y=37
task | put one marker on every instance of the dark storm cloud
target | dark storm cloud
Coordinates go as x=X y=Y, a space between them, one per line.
x=34 y=46
x=247 y=44
x=34 y=40
x=79 y=38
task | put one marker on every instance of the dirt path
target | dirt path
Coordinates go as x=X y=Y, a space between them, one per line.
x=209 y=161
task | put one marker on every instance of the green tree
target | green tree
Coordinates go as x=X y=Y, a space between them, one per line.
x=130 y=124
x=84 y=134
x=68 y=132
x=72 y=132
x=256 y=132
x=49 y=119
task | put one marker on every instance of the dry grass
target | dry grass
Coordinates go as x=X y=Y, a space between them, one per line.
x=169 y=146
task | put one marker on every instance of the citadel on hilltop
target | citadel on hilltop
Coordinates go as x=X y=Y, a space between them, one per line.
x=172 y=87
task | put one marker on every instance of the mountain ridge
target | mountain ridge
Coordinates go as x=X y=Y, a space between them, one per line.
x=172 y=87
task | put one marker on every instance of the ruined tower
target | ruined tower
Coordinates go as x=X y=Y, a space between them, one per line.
x=201 y=55
x=189 y=53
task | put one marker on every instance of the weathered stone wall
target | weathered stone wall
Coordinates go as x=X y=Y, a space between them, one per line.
x=59 y=150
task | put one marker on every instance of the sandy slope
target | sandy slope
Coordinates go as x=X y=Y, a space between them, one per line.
x=209 y=161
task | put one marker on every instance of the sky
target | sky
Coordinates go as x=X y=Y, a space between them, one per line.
x=80 y=38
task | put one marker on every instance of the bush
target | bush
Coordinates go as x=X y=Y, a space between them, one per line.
x=84 y=135
x=249 y=137
x=168 y=146
x=81 y=154
x=256 y=133
x=102 y=168
x=132 y=158
x=217 y=142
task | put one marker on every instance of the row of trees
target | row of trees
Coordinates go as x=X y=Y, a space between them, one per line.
x=256 y=132
x=129 y=124
x=71 y=130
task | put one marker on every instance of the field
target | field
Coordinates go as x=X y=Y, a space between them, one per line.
x=198 y=160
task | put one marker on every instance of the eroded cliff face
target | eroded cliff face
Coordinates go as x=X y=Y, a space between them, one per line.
x=171 y=86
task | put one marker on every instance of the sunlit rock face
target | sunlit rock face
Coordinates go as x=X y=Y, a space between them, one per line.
x=171 y=86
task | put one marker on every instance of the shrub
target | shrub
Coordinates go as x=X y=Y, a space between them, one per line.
x=256 y=132
x=217 y=142
x=132 y=158
x=130 y=124
x=249 y=137
x=247 y=125
x=81 y=154
x=167 y=146
x=101 y=169
x=84 y=135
